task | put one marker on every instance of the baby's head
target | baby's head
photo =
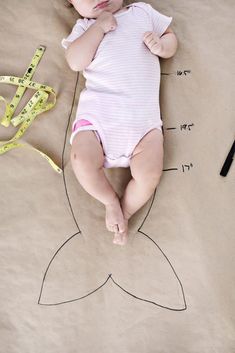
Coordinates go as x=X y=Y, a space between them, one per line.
x=88 y=9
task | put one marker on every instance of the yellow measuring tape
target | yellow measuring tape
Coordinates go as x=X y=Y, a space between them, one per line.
x=36 y=105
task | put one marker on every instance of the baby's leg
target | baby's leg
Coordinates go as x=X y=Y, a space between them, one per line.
x=87 y=160
x=146 y=169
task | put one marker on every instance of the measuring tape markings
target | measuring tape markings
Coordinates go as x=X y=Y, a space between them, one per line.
x=35 y=106
x=20 y=90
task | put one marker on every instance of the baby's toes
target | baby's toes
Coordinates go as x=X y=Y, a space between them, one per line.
x=123 y=226
x=117 y=238
x=112 y=227
x=123 y=238
x=120 y=238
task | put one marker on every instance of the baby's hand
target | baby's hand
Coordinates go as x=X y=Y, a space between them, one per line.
x=153 y=42
x=106 y=21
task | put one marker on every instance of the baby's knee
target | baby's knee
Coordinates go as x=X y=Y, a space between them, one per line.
x=87 y=155
x=79 y=158
x=152 y=175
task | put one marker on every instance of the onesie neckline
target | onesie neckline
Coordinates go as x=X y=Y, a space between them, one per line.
x=124 y=12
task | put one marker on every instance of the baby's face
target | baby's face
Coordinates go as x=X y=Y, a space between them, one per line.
x=86 y=8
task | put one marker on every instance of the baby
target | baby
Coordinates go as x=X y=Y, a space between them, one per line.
x=118 y=121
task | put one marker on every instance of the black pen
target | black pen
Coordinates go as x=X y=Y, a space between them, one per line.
x=228 y=161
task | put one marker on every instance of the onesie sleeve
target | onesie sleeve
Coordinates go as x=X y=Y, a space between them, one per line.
x=160 y=22
x=78 y=29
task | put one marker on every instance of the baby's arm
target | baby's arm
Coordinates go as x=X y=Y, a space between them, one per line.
x=164 y=46
x=169 y=44
x=81 y=51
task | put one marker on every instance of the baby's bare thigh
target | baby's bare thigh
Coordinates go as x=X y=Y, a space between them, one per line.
x=87 y=150
x=147 y=159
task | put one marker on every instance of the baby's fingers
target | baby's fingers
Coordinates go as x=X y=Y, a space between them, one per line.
x=151 y=36
x=146 y=34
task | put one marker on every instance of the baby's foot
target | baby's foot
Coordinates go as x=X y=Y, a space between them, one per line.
x=114 y=217
x=120 y=238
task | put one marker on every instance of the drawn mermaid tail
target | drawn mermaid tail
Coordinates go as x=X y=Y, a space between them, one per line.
x=80 y=268
x=84 y=264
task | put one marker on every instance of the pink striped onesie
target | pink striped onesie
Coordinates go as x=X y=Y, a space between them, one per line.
x=120 y=101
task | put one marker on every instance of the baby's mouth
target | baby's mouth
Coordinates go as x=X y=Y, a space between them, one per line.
x=103 y=3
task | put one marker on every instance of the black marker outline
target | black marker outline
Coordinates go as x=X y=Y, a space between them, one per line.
x=139 y=231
